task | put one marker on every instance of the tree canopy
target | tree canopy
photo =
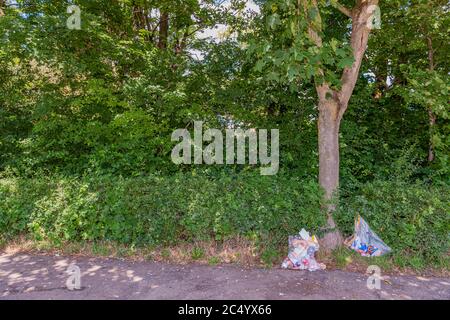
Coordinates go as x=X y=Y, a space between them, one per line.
x=358 y=89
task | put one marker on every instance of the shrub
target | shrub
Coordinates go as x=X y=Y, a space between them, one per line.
x=160 y=209
x=413 y=219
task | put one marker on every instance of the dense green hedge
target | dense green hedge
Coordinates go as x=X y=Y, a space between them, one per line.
x=412 y=218
x=159 y=210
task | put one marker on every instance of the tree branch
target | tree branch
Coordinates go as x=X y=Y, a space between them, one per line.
x=358 y=42
x=314 y=29
x=2 y=6
x=342 y=9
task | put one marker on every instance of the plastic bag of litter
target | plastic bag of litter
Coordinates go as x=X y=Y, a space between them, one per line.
x=365 y=241
x=302 y=248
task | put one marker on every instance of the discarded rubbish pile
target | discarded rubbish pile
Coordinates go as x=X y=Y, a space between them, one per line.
x=302 y=248
x=365 y=241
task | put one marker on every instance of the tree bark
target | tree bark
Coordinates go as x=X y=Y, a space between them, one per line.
x=328 y=126
x=432 y=119
x=2 y=7
x=431 y=115
x=163 y=30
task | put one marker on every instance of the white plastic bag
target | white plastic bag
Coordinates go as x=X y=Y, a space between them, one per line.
x=365 y=241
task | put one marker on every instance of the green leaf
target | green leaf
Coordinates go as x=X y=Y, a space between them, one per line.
x=346 y=62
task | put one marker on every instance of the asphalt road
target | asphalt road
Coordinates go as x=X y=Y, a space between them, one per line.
x=45 y=277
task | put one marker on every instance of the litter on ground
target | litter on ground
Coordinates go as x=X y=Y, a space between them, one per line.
x=365 y=241
x=302 y=248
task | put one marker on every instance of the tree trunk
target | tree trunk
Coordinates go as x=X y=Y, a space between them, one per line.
x=163 y=30
x=2 y=7
x=328 y=126
x=432 y=119
x=431 y=115
x=333 y=103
